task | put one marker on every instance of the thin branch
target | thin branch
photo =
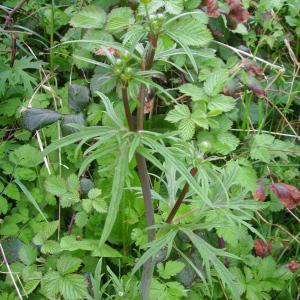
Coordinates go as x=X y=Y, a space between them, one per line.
x=8 y=18
x=126 y=106
x=180 y=199
x=10 y=272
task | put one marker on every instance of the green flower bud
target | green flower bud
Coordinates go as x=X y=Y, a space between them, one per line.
x=205 y=146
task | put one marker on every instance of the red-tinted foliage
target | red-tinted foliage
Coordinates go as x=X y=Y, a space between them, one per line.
x=212 y=8
x=237 y=12
x=288 y=194
x=293 y=266
x=262 y=248
x=259 y=193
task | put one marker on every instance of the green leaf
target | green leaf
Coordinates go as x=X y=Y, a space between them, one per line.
x=106 y=251
x=69 y=243
x=73 y=287
x=12 y=191
x=260 y=147
x=81 y=219
x=45 y=233
x=56 y=185
x=187 y=128
x=78 y=97
x=51 y=247
x=170 y=269
x=73 y=183
x=94 y=193
x=3 y=205
x=99 y=205
x=90 y=17
x=26 y=156
x=119 y=19
x=28 y=254
x=180 y=112
x=222 y=103
x=198 y=34
x=120 y=175
x=215 y=82
x=193 y=91
x=36 y=118
x=247 y=178
x=67 y=264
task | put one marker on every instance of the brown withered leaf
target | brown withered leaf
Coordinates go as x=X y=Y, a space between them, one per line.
x=259 y=193
x=232 y=88
x=113 y=51
x=253 y=84
x=252 y=68
x=288 y=194
x=148 y=106
x=262 y=248
x=293 y=266
x=237 y=12
x=212 y=8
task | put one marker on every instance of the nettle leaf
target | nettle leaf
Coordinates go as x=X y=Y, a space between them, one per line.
x=195 y=92
x=56 y=185
x=68 y=120
x=222 y=103
x=68 y=264
x=36 y=118
x=90 y=17
x=198 y=34
x=78 y=97
x=119 y=19
x=45 y=233
x=180 y=111
x=171 y=268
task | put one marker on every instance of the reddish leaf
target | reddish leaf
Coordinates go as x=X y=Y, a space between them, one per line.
x=293 y=266
x=262 y=248
x=232 y=88
x=212 y=8
x=254 y=85
x=148 y=106
x=252 y=68
x=259 y=194
x=288 y=194
x=237 y=12
x=113 y=51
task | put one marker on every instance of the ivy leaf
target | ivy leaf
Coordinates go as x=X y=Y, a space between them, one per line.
x=119 y=19
x=198 y=34
x=67 y=264
x=28 y=254
x=170 y=269
x=56 y=186
x=90 y=17
x=36 y=118
x=78 y=97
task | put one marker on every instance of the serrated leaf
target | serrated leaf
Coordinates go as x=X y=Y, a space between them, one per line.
x=99 y=205
x=180 y=112
x=260 y=147
x=198 y=34
x=78 y=97
x=36 y=118
x=28 y=254
x=51 y=247
x=215 y=82
x=56 y=186
x=73 y=183
x=171 y=268
x=187 y=128
x=67 y=264
x=69 y=243
x=94 y=193
x=26 y=156
x=3 y=205
x=73 y=287
x=221 y=103
x=69 y=198
x=90 y=17
x=193 y=91
x=247 y=178
x=119 y=19
x=95 y=35
x=81 y=219
x=45 y=233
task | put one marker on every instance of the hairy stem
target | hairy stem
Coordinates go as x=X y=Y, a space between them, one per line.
x=180 y=199
x=126 y=106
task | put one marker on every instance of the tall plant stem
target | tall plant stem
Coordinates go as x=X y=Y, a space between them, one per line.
x=126 y=106
x=180 y=199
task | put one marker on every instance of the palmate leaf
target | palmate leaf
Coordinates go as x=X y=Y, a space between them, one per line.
x=90 y=17
x=120 y=175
